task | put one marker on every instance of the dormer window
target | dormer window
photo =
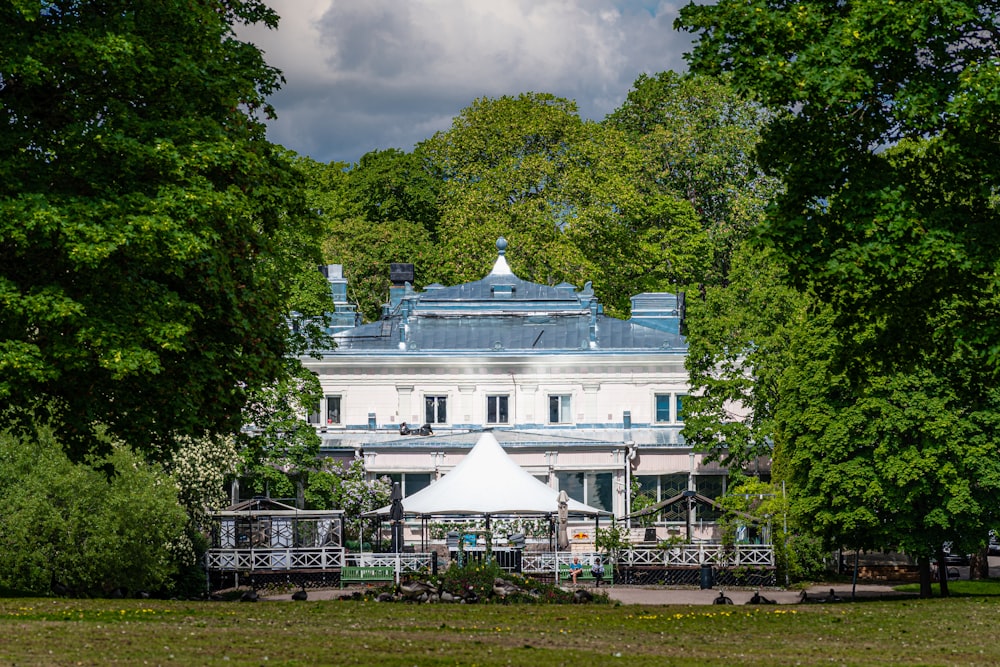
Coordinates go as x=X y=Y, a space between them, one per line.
x=503 y=291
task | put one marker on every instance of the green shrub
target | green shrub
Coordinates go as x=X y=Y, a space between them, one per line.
x=93 y=527
x=800 y=557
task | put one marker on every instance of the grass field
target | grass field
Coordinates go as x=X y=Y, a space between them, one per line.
x=957 y=631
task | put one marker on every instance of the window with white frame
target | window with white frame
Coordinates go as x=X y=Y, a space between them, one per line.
x=496 y=409
x=436 y=409
x=325 y=412
x=560 y=409
x=663 y=408
x=669 y=408
x=333 y=413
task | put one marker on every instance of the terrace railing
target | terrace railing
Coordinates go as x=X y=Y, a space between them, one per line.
x=289 y=558
x=694 y=555
x=681 y=556
x=548 y=562
x=403 y=562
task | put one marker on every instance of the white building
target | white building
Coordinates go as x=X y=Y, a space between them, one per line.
x=583 y=401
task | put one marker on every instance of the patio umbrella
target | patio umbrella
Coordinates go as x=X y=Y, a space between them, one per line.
x=396 y=517
x=563 y=536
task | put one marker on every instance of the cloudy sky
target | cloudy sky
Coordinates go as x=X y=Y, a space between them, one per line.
x=375 y=74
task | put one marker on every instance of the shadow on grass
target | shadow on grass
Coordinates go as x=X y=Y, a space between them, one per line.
x=959 y=588
x=14 y=593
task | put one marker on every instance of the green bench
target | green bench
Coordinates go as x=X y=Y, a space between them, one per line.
x=367 y=574
x=585 y=574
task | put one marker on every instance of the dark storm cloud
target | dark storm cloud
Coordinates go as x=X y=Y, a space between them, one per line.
x=387 y=73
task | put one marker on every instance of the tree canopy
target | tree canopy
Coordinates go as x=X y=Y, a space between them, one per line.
x=886 y=140
x=148 y=231
x=740 y=338
x=380 y=211
x=504 y=164
x=697 y=137
x=885 y=137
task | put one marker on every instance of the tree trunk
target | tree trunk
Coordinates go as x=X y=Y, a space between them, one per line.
x=942 y=572
x=924 y=568
x=979 y=565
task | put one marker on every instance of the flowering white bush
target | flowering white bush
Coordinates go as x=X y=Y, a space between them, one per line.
x=339 y=485
x=199 y=469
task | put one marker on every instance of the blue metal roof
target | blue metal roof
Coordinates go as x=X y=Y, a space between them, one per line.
x=503 y=313
x=514 y=333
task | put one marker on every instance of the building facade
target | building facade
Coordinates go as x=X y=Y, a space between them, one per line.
x=585 y=402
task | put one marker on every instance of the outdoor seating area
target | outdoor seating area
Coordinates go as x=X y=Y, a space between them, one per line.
x=586 y=574
x=262 y=539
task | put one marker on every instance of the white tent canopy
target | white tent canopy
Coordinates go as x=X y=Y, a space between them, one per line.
x=488 y=481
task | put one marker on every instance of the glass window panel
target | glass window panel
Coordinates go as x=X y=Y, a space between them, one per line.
x=333 y=409
x=680 y=407
x=496 y=409
x=559 y=409
x=648 y=485
x=436 y=409
x=415 y=481
x=671 y=485
x=662 y=408
x=572 y=483
x=710 y=486
x=599 y=490
x=313 y=416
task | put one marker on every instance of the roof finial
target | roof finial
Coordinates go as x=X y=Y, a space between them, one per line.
x=500 y=267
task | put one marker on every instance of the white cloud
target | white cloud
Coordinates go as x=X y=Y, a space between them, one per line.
x=372 y=74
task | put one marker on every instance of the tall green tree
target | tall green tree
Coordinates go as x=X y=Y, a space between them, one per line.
x=697 y=136
x=563 y=192
x=380 y=211
x=904 y=462
x=740 y=343
x=395 y=202
x=392 y=185
x=885 y=137
x=503 y=163
x=144 y=219
x=884 y=236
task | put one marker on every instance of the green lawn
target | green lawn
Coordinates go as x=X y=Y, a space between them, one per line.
x=960 y=587
x=957 y=631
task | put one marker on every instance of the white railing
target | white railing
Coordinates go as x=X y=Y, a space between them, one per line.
x=693 y=555
x=549 y=561
x=403 y=562
x=313 y=558
x=685 y=555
